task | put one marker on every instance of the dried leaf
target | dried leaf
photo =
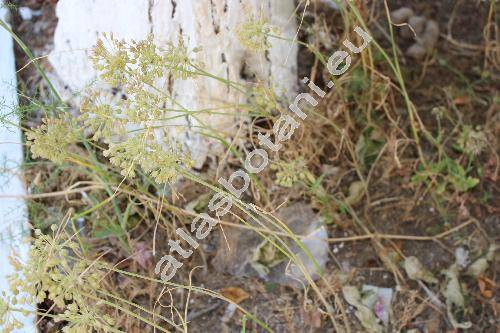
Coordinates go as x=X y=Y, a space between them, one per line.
x=480 y=266
x=356 y=192
x=235 y=294
x=265 y=257
x=268 y=255
x=368 y=146
x=311 y=318
x=484 y=286
x=453 y=292
x=461 y=100
x=142 y=255
x=416 y=271
x=199 y=203
x=454 y=296
x=352 y=295
x=389 y=257
x=379 y=300
x=363 y=313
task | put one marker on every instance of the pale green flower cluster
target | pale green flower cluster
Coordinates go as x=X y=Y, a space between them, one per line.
x=55 y=271
x=472 y=141
x=264 y=101
x=137 y=67
x=254 y=34
x=52 y=139
x=139 y=63
x=8 y=322
x=84 y=320
x=130 y=125
x=141 y=150
x=288 y=174
x=102 y=118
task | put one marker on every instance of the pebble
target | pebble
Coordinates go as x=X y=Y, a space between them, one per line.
x=401 y=15
x=27 y=13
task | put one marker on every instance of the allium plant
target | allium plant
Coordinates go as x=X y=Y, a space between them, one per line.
x=8 y=321
x=52 y=139
x=131 y=126
x=56 y=271
x=254 y=34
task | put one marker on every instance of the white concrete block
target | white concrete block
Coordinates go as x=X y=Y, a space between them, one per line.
x=14 y=229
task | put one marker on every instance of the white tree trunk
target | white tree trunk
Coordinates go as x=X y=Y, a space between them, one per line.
x=14 y=227
x=210 y=24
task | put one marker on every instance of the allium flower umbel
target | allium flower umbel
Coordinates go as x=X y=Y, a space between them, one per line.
x=254 y=34
x=122 y=63
x=55 y=270
x=134 y=125
x=52 y=139
x=8 y=321
x=158 y=160
x=471 y=141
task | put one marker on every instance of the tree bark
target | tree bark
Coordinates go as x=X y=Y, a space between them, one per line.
x=209 y=24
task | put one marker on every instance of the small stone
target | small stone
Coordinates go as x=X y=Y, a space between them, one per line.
x=249 y=254
x=333 y=4
x=416 y=51
x=431 y=35
x=462 y=257
x=26 y=13
x=418 y=25
x=401 y=15
x=379 y=300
